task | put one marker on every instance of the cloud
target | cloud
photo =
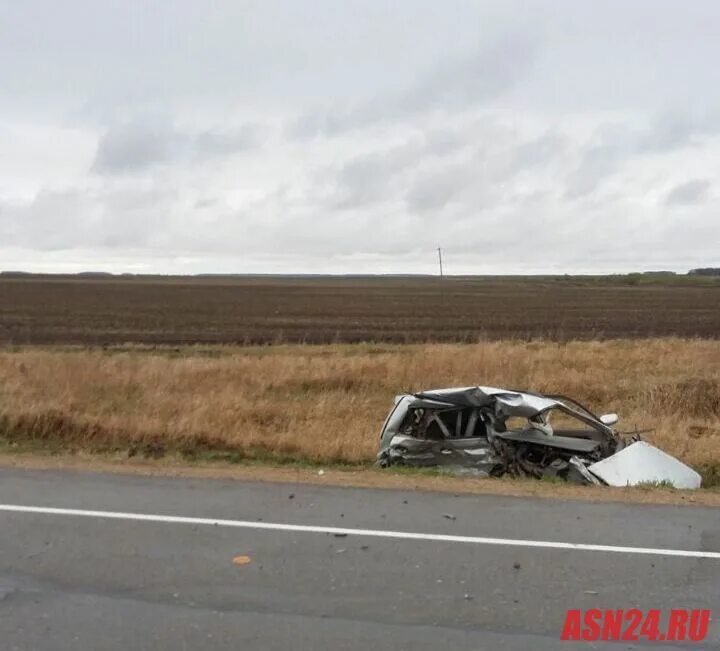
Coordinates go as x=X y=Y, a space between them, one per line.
x=609 y=148
x=539 y=151
x=109 y=215
x=223 y=142
x=374 y=176
x=513 y=134
x=51 y=220
x=615 y=145
x=444 y=141
x=673 y=130
x=456 y=84
x=443 y=163
x=136 y=146
x=148 y=142
x=688 y=194
x=471 y=80
x=433 y=191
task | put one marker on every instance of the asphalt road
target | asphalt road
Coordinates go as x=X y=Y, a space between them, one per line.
x=77 y=582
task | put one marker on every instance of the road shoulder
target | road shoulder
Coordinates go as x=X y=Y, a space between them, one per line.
x=360 y=478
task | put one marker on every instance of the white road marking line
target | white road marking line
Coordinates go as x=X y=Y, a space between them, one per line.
x=402 y=535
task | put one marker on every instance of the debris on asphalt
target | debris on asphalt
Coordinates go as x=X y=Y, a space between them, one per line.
x=489 y=432
x=241 y=560
x=291 y=496
x=340 y=535
x=6 y=589
x=449 y=516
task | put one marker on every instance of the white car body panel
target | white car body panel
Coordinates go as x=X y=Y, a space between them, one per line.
x=642 y=462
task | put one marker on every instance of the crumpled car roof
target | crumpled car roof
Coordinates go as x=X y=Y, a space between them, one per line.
x=512 y=403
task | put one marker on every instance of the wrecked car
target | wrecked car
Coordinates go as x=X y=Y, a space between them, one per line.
x=491 y=432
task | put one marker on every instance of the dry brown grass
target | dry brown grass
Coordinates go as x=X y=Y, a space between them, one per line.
x=326 y=403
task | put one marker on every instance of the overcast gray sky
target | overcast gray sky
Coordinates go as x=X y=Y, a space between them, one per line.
x=351 y=137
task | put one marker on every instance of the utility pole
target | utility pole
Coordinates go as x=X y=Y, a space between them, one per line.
x=439 y=250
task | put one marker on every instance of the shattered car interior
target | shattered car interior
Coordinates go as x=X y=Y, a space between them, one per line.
x=486 y=431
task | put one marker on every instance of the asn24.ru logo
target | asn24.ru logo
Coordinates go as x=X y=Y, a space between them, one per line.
x=634 y=625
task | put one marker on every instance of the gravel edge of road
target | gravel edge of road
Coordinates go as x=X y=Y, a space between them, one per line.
x=359 y=478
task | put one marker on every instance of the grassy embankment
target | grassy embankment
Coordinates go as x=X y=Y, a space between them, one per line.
x=325 y=404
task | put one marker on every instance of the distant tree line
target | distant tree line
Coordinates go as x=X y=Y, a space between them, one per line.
x=705 y=271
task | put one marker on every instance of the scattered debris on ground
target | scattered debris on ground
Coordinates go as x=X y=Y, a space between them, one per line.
x=490 y=432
